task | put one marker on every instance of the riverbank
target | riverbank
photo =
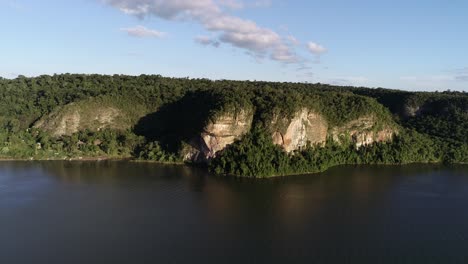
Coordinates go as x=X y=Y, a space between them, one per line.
x=133 y=160
x=342 y=165
x=100 y=158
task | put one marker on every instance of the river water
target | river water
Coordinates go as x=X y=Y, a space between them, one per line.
x=124 y=212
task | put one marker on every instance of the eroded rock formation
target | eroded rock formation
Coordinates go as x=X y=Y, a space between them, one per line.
x=362 y=131
x=73 y=118
x=219 y=133
x=304 y=127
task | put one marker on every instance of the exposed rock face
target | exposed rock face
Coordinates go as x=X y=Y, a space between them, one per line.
x=218 y=134
x=73 y=118
x=303 y=128
x=410 y=111
x=362 y=132
x=309 y=127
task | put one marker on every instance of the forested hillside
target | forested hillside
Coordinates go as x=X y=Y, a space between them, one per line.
x=255 y=129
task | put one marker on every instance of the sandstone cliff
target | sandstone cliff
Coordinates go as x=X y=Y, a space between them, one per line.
x=220 y=132
x=291 y=133
x=93 y=115
x=304 y=127
x=363 y=131
x=309 y=127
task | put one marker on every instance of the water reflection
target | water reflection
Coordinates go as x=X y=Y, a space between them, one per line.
x=95 y=212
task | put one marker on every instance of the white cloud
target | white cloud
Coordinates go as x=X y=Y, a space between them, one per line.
x=293 y=41
x=167 y=9
x=350 y=80
x=245 y=34
x=231 y=4
x=207 y=41
x=238 y=4
x=143 y=32
x=261 y=3
x=285 y=54
x=315 y=48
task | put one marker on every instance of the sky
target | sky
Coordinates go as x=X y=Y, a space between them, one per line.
x=399 y=44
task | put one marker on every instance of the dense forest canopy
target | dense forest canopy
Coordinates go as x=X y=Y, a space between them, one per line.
x=163 y=113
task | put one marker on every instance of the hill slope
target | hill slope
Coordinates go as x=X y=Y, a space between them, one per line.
x=247 y=128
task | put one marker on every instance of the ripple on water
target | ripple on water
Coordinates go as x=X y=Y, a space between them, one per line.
x=123 y=212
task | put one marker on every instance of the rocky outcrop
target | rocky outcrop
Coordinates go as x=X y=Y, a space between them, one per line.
x=291 y=132
x=304 y=127
x=410 y=111
x=220 y=132
x=362 y=131
x=73 y=118
x=309 y=127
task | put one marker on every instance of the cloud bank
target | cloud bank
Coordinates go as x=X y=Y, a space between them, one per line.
x=143 y=32
x=316 y=49
x=207 y=41
x=258 y=41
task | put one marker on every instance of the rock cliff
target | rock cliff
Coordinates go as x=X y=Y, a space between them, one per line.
x=220 y=132
x=362 y=131
x=309 y=127
x=291 y=132
x=304 y=127
x=76 y=117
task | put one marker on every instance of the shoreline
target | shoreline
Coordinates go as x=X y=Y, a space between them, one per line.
x=102 y=158
x=96 y=159
x=131 y=159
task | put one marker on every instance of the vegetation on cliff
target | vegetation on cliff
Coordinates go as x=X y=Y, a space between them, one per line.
x=157 y=118
x=242 y=158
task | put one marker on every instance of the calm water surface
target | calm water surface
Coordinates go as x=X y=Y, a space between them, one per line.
x=123 y=212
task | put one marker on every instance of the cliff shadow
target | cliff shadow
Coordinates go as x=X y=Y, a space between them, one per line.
x=178 y=121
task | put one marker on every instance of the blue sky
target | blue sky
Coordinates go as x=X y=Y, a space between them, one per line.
x=411 y=45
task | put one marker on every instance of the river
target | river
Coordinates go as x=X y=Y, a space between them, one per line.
x=125 y=212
